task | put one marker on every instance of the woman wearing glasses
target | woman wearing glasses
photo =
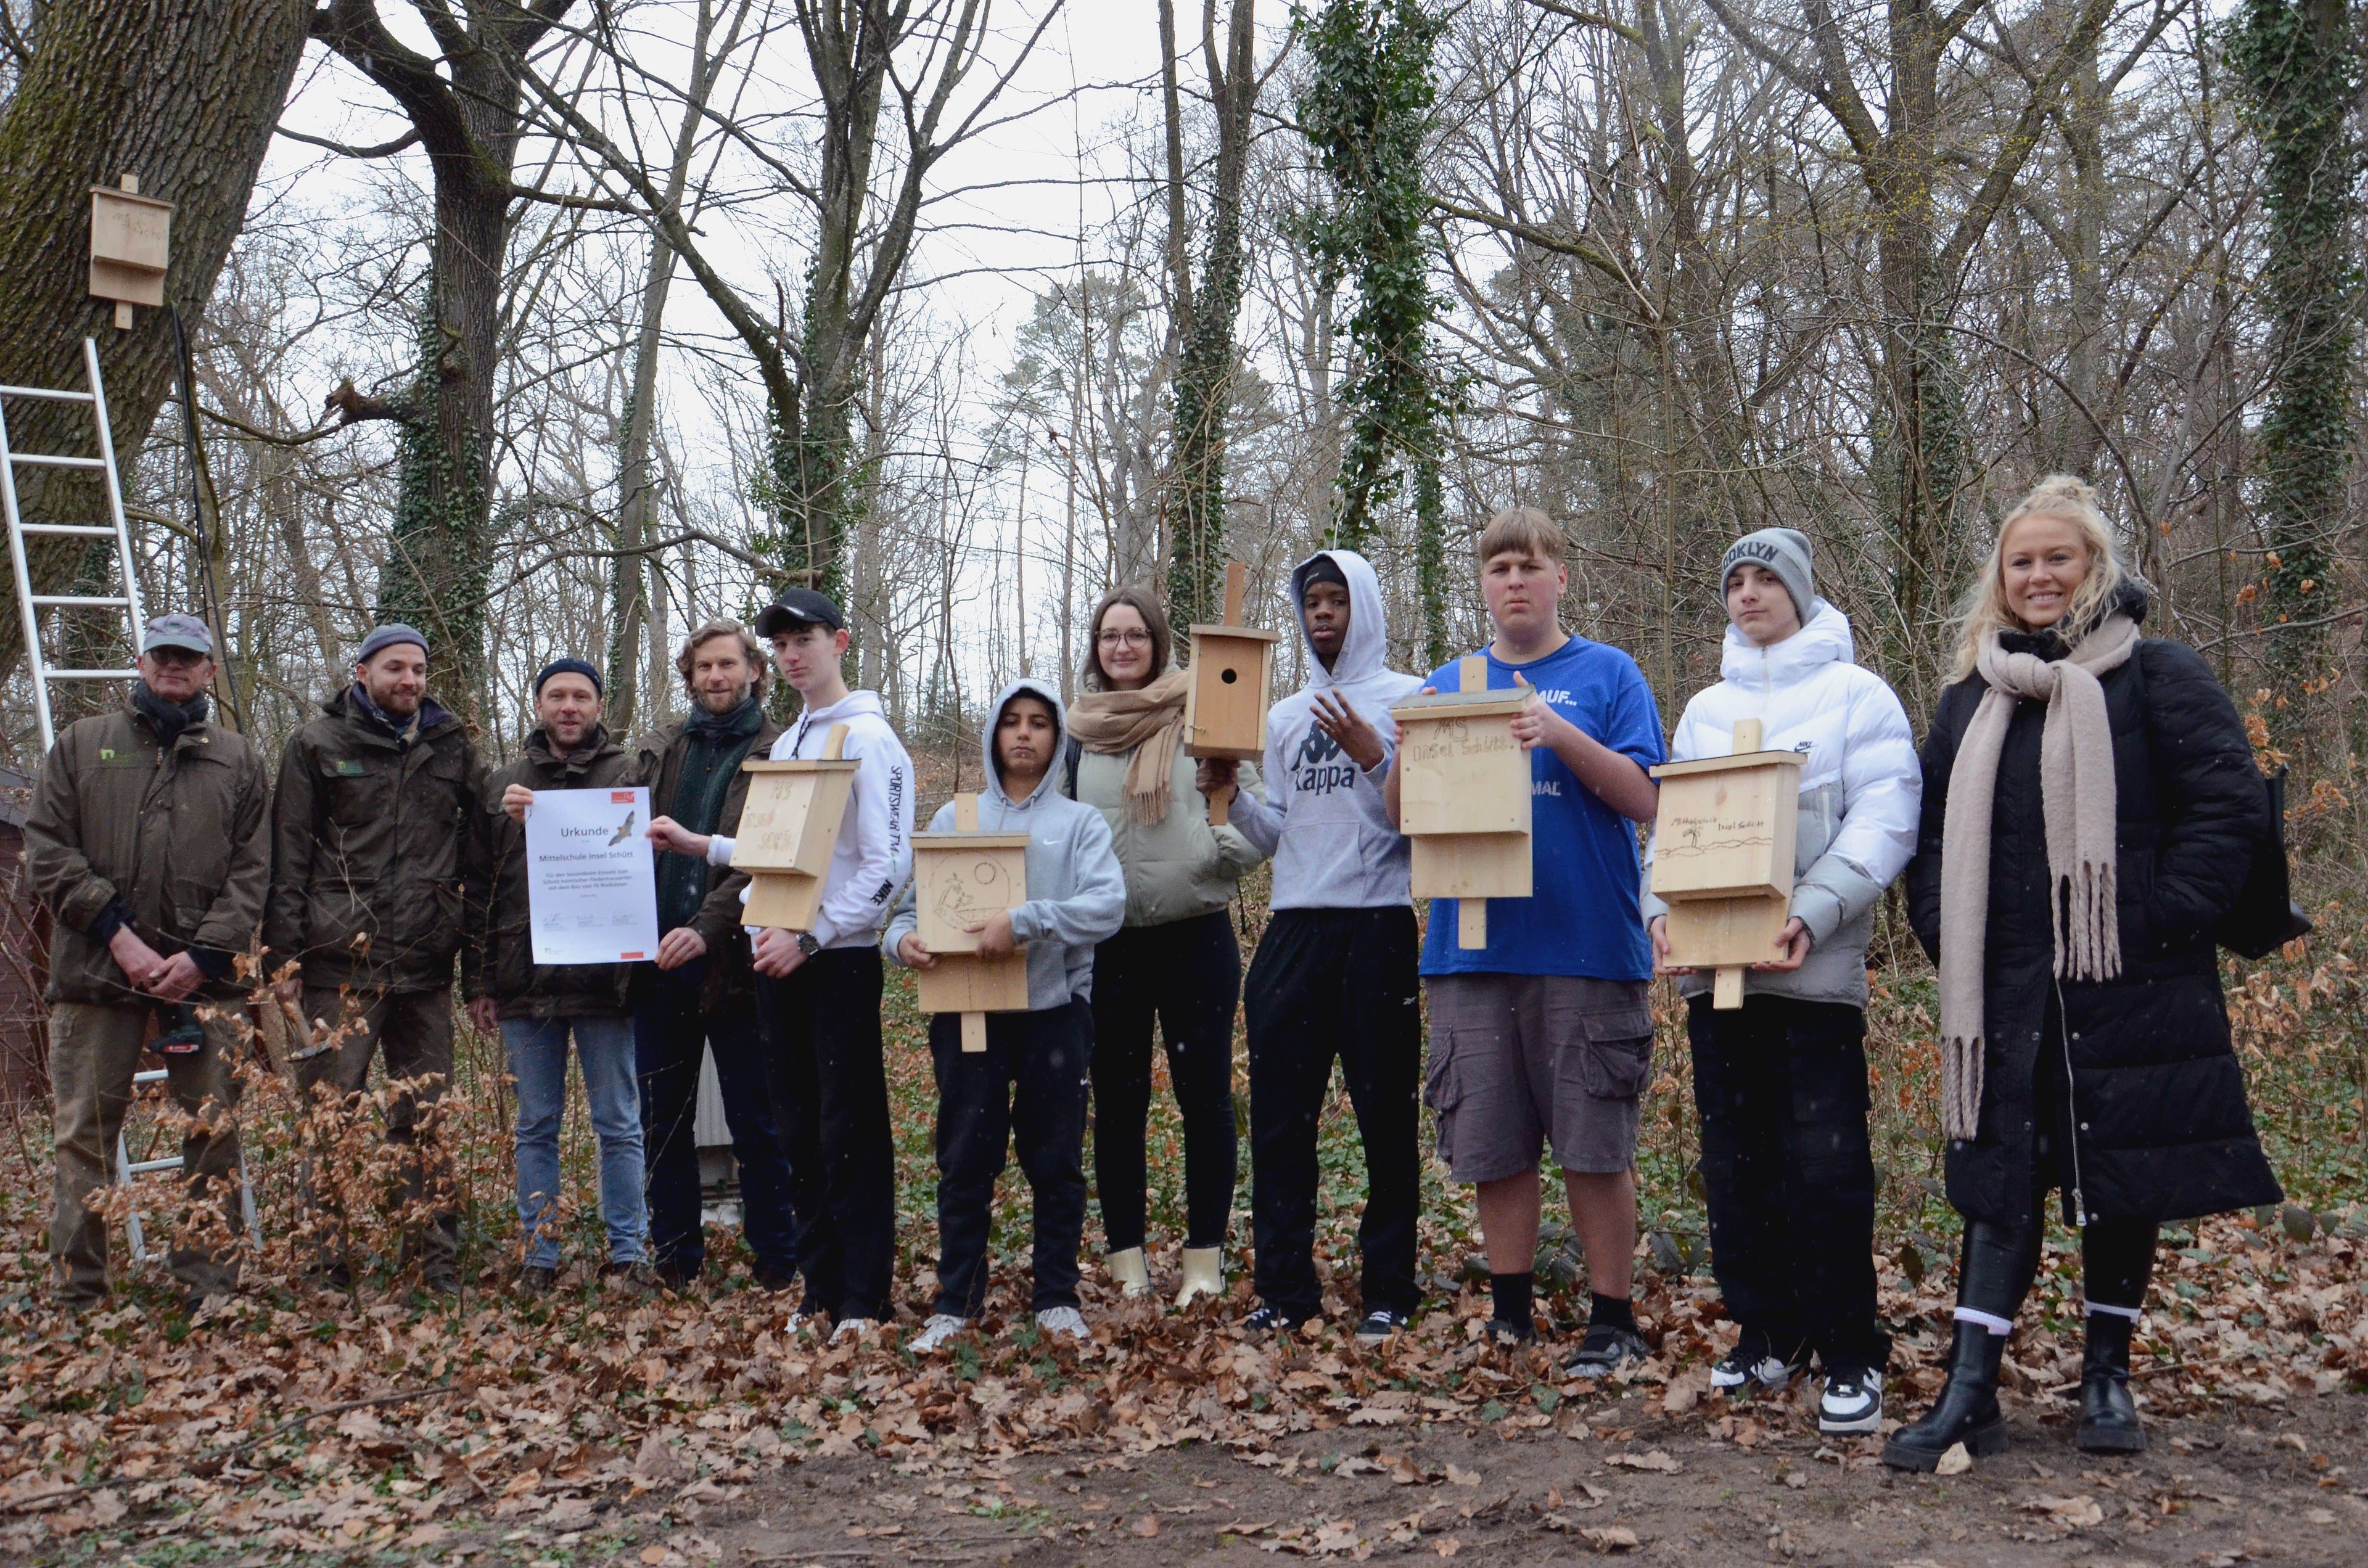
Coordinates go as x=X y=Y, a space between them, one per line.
x=1176 y=962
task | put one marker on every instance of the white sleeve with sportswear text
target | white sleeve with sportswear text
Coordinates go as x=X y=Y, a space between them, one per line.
x=879 y=826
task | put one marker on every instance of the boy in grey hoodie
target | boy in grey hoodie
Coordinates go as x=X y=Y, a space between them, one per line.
x=1028 y=1086
x=1336 y=972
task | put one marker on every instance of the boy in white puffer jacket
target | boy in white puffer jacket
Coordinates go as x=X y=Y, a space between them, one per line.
x=1781 y=1084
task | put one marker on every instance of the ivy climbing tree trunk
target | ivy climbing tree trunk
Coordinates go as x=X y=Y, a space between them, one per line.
x=1205 y=378
x=2301 y=64
x=181 y=93
x=1366 y=111
x=464 y=105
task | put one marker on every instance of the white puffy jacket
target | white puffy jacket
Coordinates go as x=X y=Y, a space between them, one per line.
x=1861 y=790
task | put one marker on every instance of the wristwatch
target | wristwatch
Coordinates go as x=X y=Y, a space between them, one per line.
x=807 y=945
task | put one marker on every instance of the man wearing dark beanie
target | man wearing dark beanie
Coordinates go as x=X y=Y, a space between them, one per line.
x=368 y=825
x=535 y=1006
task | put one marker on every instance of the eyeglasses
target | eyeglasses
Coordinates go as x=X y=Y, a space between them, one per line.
x=1124 y=639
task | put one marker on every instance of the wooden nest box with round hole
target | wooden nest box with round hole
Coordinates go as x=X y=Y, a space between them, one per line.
x=1225 y=706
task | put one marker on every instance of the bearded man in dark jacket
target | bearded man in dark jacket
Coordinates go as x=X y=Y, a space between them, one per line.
x=148 y=840
x=369 y=823
x=536 y=1006
x=700 y=997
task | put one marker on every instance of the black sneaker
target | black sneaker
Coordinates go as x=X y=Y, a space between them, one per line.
x=1504 y=1331
x=537 y=1279
x=1852 y=1401
x=1605 y=1350
x=1379 y=1323
x=1271 y=1320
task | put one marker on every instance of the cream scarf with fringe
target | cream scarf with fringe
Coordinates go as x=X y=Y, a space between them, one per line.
x=2076 y=788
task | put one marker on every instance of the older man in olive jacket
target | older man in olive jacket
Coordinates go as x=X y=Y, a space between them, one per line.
x=149 y=842
x=370 y=824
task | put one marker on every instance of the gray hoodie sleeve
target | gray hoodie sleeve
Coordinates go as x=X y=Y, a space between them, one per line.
x=1254 y=819
x=1091 y=913
x=906 y=916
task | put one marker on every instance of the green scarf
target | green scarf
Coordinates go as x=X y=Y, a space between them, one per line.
x=719 y=743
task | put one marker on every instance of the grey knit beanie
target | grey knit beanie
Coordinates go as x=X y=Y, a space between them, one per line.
x=387 y=636
x=1784 y=551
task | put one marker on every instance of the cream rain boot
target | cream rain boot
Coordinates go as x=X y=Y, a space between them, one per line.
x=1204 y=1275
x=1127 y=1267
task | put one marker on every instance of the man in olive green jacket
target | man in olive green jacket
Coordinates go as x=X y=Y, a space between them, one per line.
x=368 y=827
x=148 y=841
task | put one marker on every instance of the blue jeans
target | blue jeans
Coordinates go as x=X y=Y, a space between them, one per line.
x=538 y=1052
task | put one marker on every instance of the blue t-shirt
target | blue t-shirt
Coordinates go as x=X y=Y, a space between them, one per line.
x=1582 y=917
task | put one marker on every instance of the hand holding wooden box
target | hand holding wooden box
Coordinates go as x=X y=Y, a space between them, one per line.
x=960 y=878
x=789 y=829
x=1722 y=844
x=1463 y=797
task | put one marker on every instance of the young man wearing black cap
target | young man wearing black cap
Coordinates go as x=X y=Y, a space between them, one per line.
x=818 y=991
x=149 y=840
x=536 y=1006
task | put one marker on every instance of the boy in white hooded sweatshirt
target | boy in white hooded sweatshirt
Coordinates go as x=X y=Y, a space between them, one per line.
x=818 y=991
x=1028 y=1086
x=1335 y=974
x=1780 y=1084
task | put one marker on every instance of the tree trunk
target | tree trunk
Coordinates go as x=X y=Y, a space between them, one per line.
x=1204 y=381
x=182 y=93
x=465 y=107
x=2302 y=65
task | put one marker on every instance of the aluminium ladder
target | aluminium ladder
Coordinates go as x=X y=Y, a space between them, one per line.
x=30 y=604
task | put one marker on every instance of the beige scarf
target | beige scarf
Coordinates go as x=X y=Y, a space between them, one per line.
x=2076 y=792
x=1149 y=722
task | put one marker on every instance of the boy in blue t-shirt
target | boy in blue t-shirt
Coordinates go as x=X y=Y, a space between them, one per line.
x=1544 y=1036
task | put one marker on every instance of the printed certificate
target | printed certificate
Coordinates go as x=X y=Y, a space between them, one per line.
x=591 y=876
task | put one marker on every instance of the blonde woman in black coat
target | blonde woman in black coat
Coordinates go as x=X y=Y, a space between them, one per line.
x=2090 y=810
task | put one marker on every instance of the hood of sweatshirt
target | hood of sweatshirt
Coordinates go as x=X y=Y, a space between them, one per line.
x=1026 y=685
x=1368 y=641
x=855 y=704
x=1824 y=640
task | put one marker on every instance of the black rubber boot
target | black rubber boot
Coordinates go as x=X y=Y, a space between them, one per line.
x=1966 y=1412
x=2109 y=1416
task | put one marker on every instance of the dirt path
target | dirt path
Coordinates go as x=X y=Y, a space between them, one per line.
x=2280 y=1485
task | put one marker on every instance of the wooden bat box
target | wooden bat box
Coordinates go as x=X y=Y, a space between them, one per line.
x=1232 y=670
x=959 y=879
x=1722 y=857
x=1463 y=797
x=131 y=245
x=788 y=828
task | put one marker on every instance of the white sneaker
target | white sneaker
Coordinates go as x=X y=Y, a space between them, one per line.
x=1769 y=1374
x=934 y=1334
x=1852 y=1401
x=849 y=1330
x=1061 y=1323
